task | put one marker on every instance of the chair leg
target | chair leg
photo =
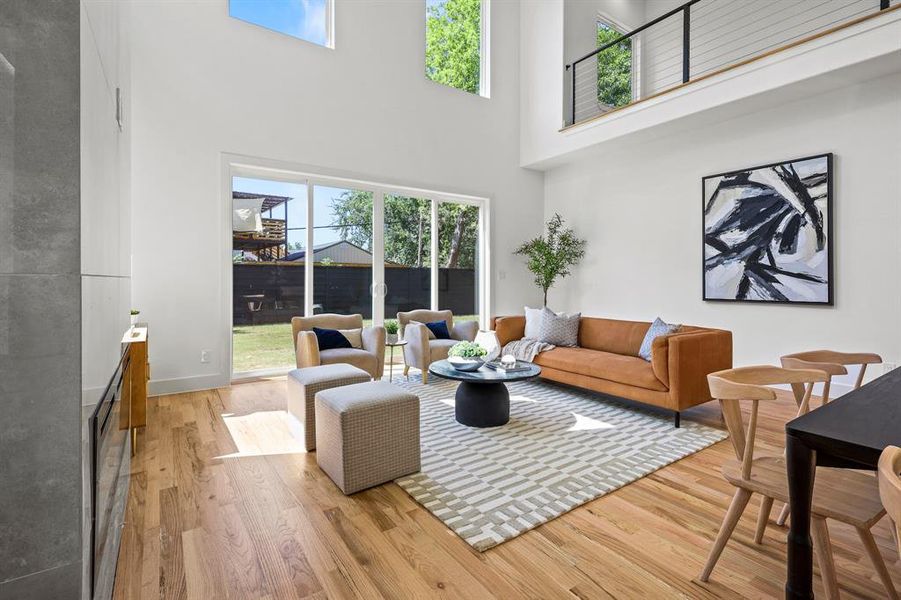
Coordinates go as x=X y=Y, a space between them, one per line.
x=766 y=505
x=407 y=371
x=783 y=516
x=736 y=508
x=425 y=377
x=869 y=545
x=823 y=548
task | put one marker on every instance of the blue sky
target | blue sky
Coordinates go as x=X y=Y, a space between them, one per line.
x=297 y=214
x=304 y=19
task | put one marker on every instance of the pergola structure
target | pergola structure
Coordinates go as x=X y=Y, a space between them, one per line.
x=268 y=245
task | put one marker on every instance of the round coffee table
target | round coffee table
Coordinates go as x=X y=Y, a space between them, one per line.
x=482 y=399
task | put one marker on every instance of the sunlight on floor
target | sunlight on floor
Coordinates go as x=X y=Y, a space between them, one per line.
x=262 y=433
x=584 y=423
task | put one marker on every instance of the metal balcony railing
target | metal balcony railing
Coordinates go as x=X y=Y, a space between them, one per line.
x=694 y=40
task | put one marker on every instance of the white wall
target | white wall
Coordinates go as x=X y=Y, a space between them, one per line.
x=204 y=84
x=105 y=206
x=638 y=205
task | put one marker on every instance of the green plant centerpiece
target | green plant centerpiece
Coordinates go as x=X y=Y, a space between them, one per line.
x=550 y=256
x=134 y=317
x=391 y=330
x=466 y=356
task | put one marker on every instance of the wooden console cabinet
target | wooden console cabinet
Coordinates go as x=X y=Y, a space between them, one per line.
x=134 y=388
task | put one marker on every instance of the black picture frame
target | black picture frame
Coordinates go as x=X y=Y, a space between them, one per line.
x=829 y=229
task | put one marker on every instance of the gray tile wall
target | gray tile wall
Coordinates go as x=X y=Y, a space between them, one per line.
x=40 y=300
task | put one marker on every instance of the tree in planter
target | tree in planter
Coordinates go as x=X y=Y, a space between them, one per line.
x=551 y=256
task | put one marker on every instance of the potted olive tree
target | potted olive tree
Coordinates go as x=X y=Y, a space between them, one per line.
x=550 y=256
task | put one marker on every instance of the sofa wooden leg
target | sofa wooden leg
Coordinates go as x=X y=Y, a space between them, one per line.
x=677 y=419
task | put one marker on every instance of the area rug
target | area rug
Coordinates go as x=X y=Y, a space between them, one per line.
x=561 y=449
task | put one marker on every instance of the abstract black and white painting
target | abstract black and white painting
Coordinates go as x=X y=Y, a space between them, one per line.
x=767 y=233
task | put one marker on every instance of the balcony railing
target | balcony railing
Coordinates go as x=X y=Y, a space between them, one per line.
x=693 y=41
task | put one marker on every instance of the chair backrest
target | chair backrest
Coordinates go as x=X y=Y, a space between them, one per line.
x=424 y=315
x=325 y=321
x=832 y=362
x=733 y=386
x=890 y=487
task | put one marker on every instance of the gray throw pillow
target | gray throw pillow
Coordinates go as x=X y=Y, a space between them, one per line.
x=559 y=330
x=533 y=323
x=658 y=328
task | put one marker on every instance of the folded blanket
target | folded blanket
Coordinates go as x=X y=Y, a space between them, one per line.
x=526 y=349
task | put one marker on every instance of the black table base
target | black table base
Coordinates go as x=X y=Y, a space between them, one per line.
x=482 y=404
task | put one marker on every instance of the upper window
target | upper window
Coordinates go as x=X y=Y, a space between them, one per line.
x=456 y=44
x=614 y=68
x=309 y=20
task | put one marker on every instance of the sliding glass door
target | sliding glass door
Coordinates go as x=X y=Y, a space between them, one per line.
x=307 y=245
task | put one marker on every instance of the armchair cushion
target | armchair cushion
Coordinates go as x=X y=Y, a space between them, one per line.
x=438 y=349
x=330 y=339
x=351 y=356
x=465 y=330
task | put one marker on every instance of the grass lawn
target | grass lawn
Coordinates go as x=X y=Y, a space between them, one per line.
x=259 y=347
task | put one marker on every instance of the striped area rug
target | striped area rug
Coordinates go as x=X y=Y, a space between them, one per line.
x=561 y=449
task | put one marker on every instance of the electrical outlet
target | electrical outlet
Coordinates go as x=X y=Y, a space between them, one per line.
x=887 y=366
x=204 y=356
x=501 y=274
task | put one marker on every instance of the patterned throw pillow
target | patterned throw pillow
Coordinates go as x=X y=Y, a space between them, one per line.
x=559 y=330
x=658 y=328
x=533 y=323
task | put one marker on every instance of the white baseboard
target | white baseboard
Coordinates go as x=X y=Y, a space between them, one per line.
x=178 y=385
x=835 y=390
x=91 y=396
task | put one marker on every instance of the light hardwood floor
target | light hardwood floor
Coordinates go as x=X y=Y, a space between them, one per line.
x=225 y=504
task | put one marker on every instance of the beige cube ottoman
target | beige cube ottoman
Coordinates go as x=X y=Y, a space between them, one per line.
x=302 y=387
x=367 y=434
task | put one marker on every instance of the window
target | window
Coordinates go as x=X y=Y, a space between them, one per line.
x=456 y=47
x=614 y=68
x=309 y=20
x=304 y=244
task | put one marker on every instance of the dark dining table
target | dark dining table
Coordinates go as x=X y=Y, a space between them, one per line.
x=849 y=432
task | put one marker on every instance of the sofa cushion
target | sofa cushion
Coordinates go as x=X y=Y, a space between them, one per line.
x=628 y=370
x=658 y=328
x=533 y=323
x=330 y=339
x=611 y=335
x=559 y=329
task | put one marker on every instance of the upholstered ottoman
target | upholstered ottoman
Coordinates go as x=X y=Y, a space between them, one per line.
x=367 y=434
x=302 y=387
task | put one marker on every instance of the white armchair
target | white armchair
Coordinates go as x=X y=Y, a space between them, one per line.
x=421 y=350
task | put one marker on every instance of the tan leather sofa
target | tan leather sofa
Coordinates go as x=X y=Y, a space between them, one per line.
x=421 y=351
x=370 y=358
x=607 y=360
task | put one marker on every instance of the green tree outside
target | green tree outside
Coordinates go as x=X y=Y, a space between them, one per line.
x=614 y=68
x=452 y=43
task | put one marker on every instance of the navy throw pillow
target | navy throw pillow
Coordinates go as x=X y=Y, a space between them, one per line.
x=330 y=339
x=439 y=328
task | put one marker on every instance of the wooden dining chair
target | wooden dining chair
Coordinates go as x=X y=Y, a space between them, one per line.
x=890 y=488
x=834 y=363
x=850 y=497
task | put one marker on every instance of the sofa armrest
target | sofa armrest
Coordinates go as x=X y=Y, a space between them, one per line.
x=417 y=352
x=465 y=330
x=307 y=351
x=691 y=357
x=510 y=328
x=374 y=343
